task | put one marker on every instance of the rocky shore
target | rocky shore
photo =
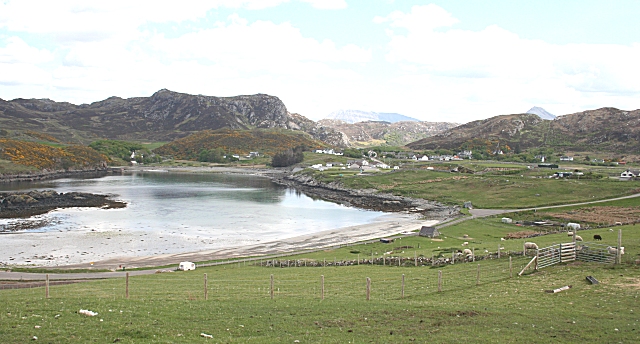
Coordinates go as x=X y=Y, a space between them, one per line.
x=366 y=199
x=25 y=204
x=53 y=174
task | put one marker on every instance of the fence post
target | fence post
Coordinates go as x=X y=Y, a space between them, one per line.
x=453 y=257
x=403 y=286
x=368 y=288
x=271 y=286
x=473 y=254
x=560 y=252
x=478 y=275
x=433 y=261
x=510 y=268
x=618 y=253
x=498 y=251
x=399 y=260
x=439 y=280
x=206 y=291
x=415 y=257
x=358 y=259
x=46 y=290
x=126 y=290
x=322 y=287
x=324 y=262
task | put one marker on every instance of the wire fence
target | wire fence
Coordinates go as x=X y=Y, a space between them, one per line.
x=330 y=282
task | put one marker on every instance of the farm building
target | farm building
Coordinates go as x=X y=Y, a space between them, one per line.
x=429 y=232
x=506 y=220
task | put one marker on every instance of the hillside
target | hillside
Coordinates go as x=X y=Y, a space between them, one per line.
x=45 y=157
x=164 y=116
x=601 y=130
x=395 y=134
x=264 y=141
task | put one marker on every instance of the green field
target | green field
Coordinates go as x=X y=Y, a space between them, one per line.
x=171 y=307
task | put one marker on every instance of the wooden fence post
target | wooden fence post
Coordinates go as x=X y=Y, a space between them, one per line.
x=271 y=286
x=498 y=251
x=322 y=287
x=619 y=254
x=473 y=254
x=399 y=260
x=46 y=290
x=439 y=280
x=453 y=257
x=403 y=286
x=433 y=261
x=368 y=288
x=415 y=256
x=126 y=290
x=358 y=259
x=510 y=268
x=478 y=275
x=206 y=291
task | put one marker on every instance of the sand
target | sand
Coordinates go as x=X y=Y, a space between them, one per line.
x=111 y=250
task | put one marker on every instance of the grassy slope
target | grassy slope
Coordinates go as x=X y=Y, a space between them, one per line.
x=493 y=190
x=171 y=307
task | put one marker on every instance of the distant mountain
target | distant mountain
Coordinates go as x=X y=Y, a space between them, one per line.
x=542 y=113
x=601 y=130
x=355 y=116
x=376 y=133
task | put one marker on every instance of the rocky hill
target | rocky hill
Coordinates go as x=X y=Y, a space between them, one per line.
x=164 y=116
x=601 y=130
x=395 y=134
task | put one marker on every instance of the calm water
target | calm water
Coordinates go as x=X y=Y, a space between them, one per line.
x=223 y=208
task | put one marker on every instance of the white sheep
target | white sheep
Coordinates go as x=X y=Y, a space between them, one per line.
x=467 y=252
x=578 y=238
x=569 y=233
x=465 y=243
x=614 y=250
x=530 y=245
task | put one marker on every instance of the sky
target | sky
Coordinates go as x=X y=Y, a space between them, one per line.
x=449 y=60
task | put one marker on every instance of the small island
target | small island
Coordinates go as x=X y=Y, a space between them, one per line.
x=25 y=204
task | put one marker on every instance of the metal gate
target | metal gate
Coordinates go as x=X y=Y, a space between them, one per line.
x=597 y=253
x=554 y=254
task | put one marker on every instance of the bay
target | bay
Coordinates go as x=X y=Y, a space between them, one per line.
x=172 y=213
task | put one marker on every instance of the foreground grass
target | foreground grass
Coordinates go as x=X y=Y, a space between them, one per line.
x=170 y=307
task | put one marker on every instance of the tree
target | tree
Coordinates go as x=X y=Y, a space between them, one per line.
x=288 y=157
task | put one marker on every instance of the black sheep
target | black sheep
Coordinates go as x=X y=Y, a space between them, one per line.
x=597 y=237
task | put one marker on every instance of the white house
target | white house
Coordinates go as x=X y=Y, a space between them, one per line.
x=628 y=174
x=566 y=158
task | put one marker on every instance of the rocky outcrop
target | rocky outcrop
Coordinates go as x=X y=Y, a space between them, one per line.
x=25 y=204
x=366 y=198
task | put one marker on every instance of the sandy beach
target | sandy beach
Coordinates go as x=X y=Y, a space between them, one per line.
x=109 y=250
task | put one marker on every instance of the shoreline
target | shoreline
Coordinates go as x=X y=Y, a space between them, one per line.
x=91 y=250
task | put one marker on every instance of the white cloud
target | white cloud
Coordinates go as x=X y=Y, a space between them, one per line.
x=493 y=71
x=327 y=4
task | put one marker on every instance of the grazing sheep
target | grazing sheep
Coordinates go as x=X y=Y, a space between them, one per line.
x=578 y=238
x=569 y=233
x=467 y=252
x=597 y=237
x=502 y=239
x=530 y=245
x=465 y=243
x=614 y=250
